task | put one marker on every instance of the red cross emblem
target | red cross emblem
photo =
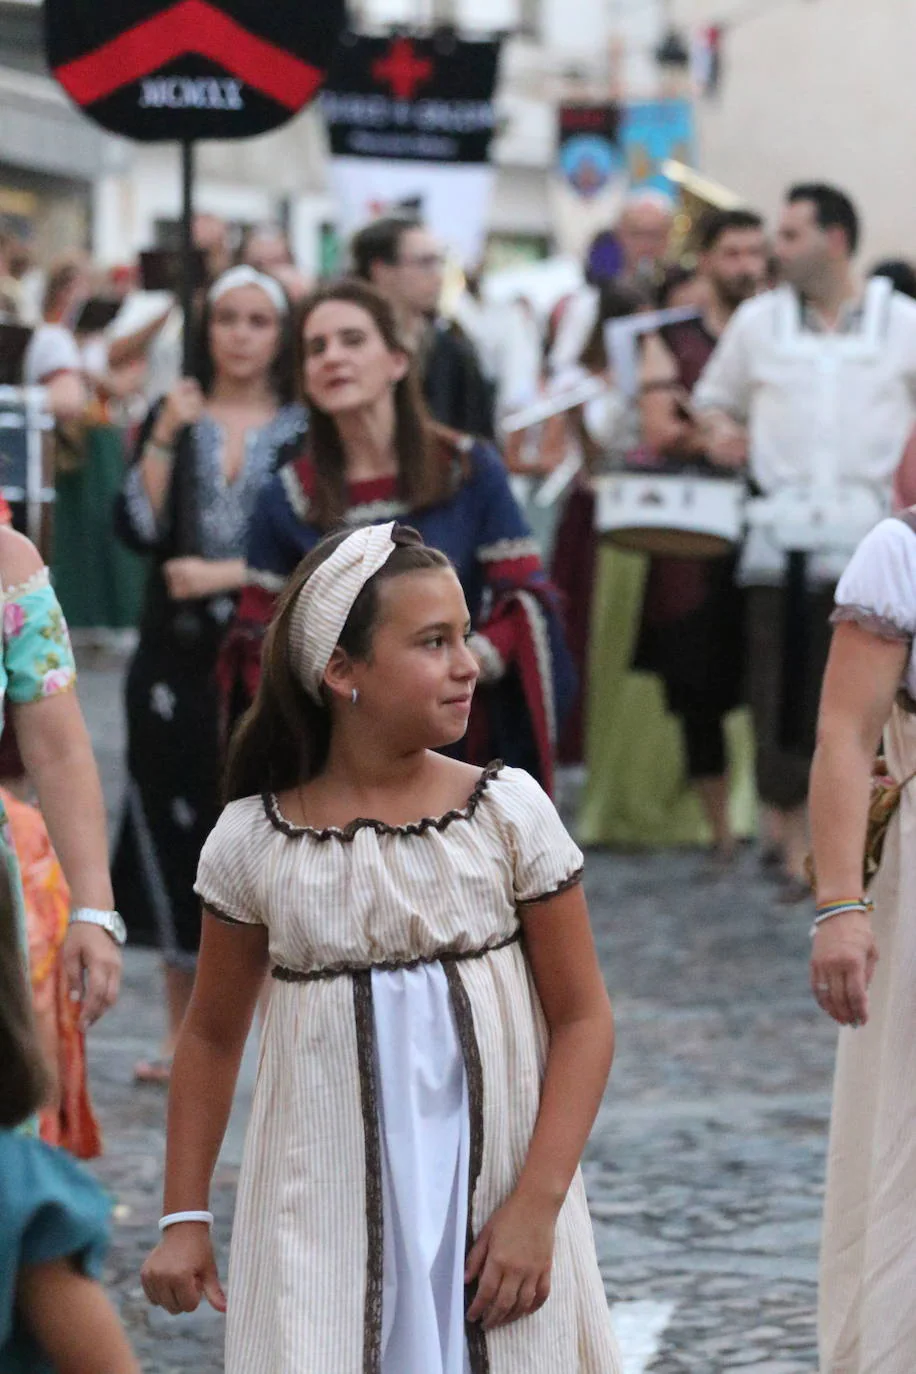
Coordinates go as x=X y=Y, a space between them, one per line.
x=402 y=69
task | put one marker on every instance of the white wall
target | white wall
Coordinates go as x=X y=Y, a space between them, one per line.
x=821 y=89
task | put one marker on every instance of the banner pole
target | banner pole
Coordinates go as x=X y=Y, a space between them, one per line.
x=187 y=252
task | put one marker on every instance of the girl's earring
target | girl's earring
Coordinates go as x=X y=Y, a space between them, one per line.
x=354 y=695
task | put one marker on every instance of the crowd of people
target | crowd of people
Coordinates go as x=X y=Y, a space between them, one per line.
x=346 y=630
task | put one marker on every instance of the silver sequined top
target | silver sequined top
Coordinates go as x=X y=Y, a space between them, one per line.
x=225 y=507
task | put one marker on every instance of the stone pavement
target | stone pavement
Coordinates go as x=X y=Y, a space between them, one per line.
x=705 y=1167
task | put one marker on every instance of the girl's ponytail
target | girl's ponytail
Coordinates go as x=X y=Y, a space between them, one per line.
x=284 y=736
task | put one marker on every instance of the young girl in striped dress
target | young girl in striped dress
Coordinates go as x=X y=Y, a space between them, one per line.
x=438 y=1038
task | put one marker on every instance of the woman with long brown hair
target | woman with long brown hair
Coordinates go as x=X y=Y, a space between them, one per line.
x=374 y=454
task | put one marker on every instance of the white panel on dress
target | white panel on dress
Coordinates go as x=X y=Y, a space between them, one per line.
x=425 y=1154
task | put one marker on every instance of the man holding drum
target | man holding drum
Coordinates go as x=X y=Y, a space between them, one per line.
x=692 y=626
x=812 y=387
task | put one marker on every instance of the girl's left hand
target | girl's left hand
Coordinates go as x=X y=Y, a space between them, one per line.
x=188 y=579
x=512 y=1260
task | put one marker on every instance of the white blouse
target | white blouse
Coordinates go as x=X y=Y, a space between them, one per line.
x=878 y=588
x=822 y=409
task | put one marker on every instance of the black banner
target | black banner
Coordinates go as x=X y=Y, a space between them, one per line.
x=414 y=99
x=193 y=69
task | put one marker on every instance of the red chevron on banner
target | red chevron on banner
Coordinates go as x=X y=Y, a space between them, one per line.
x=139 y=51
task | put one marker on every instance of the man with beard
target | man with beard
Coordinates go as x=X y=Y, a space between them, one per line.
x=692 y=624
x=812 y=387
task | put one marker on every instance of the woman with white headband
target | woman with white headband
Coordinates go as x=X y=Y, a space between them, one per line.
x=202 y=458
x=439 y=1035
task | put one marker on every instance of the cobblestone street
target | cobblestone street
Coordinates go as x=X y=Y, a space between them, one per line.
x=705 y=1167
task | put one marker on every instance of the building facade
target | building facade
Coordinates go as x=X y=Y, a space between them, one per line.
x=815 y=89
x=115 y=197
x=810 y=88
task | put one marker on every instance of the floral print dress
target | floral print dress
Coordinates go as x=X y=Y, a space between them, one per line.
x=36 y=662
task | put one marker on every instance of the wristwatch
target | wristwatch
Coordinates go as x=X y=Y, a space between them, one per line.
x=110 y=921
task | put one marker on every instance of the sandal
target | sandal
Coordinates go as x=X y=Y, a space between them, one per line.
x=154 y=1072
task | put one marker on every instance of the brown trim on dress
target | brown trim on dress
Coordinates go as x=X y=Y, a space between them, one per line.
x=464 y=1021
x=572 y=881
x=292 y=975
x=365 y=1051
x=220 y=915
x=349 y=832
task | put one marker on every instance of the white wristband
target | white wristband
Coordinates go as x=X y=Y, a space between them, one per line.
x=174 y=1218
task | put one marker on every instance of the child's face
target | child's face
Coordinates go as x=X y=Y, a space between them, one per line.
x=421 y=675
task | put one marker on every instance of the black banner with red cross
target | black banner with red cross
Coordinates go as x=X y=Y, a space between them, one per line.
x=411 y=122
x=191 y=69
x=412 y=98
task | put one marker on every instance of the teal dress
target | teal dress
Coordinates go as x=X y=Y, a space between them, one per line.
x=51 y=1208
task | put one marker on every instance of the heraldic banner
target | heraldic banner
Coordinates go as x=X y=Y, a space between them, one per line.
x=191 y=69
x=590 y=181
x=411 y=124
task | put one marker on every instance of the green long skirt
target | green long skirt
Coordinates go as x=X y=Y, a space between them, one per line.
x=99 y=582
x=637 y=793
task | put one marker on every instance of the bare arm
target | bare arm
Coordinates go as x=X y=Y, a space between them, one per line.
x=723 y=439
x=863 y=675
x=58 y=757
x=57 y=753
x=905 y=476
x=192 y=576
x=73 y=1321
x=512 y=1255
x=132 y=347
x=182 y=1268
x=67 y=396
x=664 y=428
x=183 y=406
x=561 y=951
x=208 y=1055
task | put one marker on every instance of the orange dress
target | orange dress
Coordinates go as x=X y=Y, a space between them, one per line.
x=69 y=1120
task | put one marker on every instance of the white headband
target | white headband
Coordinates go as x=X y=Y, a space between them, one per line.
x=247 y=276
x=326 y=600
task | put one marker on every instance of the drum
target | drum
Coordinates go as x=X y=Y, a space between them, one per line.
x=671 y=514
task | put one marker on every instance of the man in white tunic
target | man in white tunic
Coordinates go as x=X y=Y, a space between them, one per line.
x=813 y=388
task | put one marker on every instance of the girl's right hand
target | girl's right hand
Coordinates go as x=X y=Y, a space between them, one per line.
x=511 y=1262
x=183 y=406
x=182 y=1269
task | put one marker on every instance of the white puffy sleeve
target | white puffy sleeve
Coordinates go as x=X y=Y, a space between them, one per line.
x=545 y=858
x=227 y=872
x=878 y=589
